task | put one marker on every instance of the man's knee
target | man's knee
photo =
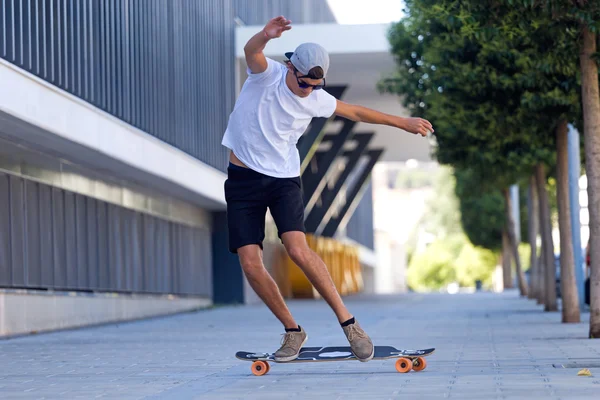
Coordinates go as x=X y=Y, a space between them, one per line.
x=251 y=264
x=299 y=253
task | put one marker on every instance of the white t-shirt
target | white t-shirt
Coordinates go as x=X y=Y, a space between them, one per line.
x=268 y=119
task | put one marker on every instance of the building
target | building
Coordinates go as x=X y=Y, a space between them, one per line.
x=111 y=168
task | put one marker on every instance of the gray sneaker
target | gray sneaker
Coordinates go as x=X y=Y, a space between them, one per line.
x=360 y=342
x=291 y=344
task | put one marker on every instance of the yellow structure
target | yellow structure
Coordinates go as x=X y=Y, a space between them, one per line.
x=342 y=262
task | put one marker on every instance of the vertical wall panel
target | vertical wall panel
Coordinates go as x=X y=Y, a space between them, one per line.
x=137 y=252
x=182 y=269
x=5 y=237
x=93 y=245
x=162 y=256
x=103 y=246
x=81 y=238
x=58 y=235
x=70 y=241
x=187 y=277
x=175 y=258
x=34 y=261
x=46 y=235
x=115 y=248
x=127 y=242
x=17 y=231
x=149 y=256
x=195 y=261
x=203 y=263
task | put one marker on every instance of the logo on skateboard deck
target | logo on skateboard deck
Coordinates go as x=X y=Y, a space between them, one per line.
x=258 y=355
x=335 y=354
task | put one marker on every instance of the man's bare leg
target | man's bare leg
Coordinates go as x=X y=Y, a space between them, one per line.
x=263 y=284
x=316 y=272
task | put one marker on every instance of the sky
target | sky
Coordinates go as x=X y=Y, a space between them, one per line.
x=366 y=11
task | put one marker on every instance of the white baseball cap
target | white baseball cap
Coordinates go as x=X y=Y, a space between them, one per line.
x=309 y=55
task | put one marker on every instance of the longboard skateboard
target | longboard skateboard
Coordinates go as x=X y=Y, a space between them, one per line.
x=407 y=359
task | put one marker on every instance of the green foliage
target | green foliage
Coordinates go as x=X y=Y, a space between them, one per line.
x=482 y=211
x=456 y=259
x=525 y=254
x=453 y=259
x=475 y=263
x=494 y=77
x=432 y=269
x=493 y=81
x=577 y=11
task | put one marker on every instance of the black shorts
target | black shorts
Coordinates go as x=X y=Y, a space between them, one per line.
x=248 y=194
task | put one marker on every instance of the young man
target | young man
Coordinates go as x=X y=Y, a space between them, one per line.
x=274 y=108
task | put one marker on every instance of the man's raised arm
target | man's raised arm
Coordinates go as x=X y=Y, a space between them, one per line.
x=253 y=50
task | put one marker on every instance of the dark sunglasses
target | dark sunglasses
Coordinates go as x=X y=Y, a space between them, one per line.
x=304 y=85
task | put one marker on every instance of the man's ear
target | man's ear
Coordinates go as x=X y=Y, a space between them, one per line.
x=289 y=66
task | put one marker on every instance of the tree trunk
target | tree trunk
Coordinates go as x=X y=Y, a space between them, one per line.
x=540 y=275
x=506 y=263
x=591 y=122
x=547 y=243
x=542 y=259
x=533 y=232
x=512 y=237
x=568 y=284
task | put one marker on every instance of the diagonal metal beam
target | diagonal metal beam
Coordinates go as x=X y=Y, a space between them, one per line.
x=352 y=199
x=309 y=142
x=316 y=175
x=328 y=195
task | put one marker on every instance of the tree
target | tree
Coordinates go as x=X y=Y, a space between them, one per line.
x=498 y=84
x=476 y=114
x=484 y=217
x=482 y=212
x=532 y=230
x=591 y=107
x=523 y=287
x=582 y=16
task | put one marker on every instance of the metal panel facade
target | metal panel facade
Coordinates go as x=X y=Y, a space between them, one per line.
x=257 y=12
x=166 y=67
x=55 y=239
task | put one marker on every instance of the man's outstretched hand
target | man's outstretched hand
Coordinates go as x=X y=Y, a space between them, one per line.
x=277 y=26
x=418 y=126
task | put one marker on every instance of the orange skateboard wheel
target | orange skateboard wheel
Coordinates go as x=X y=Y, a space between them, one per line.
x=403 y=365
x=419 y=364
x=260 y=368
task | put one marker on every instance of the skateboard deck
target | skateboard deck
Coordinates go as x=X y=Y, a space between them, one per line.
x=407 y=359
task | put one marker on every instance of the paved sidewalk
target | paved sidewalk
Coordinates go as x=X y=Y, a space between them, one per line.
x=489 y=346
